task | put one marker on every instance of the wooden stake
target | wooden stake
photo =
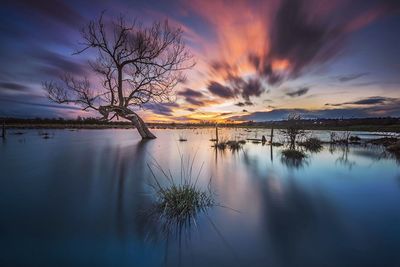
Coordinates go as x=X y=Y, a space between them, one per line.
x=272 y=135
x=216 y=133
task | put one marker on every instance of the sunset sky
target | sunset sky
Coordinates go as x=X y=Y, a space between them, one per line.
x=255 y=60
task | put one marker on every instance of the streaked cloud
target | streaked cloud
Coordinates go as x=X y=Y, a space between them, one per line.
x=351 y=77
x=246 y=51
x=13 y=86
x=220 y=90
x=298 y=92
x=373 y=100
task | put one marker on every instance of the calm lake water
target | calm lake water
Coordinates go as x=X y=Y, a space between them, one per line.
x=81 y=198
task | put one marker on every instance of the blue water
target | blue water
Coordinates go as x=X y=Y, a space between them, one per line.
x=81 y=198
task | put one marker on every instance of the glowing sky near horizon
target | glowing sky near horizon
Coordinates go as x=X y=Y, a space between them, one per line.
x=256 y=60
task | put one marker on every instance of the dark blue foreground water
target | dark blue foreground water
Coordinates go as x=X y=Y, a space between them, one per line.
x=81 y=198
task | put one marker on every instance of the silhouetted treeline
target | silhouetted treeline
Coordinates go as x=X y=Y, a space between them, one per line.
x=367 y=124
x=61 y=121
x=330 y=122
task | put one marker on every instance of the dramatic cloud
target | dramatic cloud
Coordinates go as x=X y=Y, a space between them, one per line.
x=220 y=90
x=281 y=114
x=57 y=10
x=13 y=86
x=252 y=87
x=238 y=87
x=191 y=96
x=162 y=109
x=351 y=77
x=297 y=39
x=38 y=107
x=305 y=35
x=190 y=93
x=367 y=101
x=55 y=64
x=242 y=104
x=298 y=92
x=242 y=49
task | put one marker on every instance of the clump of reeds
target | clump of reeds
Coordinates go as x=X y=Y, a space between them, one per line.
x=384 y=141
x=340 y=138
x=221 y=144
x=293 y=158
x=293 y=154
x=234 y=145
x=354 y=139
x=180 y=201
x=45 y=135
x=394 y=149
x=312 y=144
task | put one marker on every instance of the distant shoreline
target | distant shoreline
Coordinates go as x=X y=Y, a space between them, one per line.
x=384 y=124
x=366 y=128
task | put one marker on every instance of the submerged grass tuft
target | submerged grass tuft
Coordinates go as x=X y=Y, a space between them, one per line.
x=293 y=158
x=312 y=144
x=179 y=200
x=233 y=145
x=395 y=150
x=293 y=154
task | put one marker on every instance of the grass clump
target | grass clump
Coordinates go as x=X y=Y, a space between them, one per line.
x=354 y=139
x=234 y=145
x=312 y=144
x=293 y=154
x=179 y=201
x=384 y=141
x=45 y=135
x=221 y=145
x=293 y=158
x=394 y=149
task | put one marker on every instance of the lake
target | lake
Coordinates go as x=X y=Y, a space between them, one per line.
x=82 y=198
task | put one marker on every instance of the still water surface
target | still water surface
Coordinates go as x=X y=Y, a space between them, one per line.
x=81 y=198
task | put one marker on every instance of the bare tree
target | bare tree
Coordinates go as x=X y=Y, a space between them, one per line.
x=136 y=65
x=293 y=130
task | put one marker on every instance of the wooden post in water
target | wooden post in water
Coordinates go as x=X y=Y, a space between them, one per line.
x=272 y=154
x=272 y=135
x=216 y=133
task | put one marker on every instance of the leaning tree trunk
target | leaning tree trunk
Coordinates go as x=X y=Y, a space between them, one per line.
x=139 y=124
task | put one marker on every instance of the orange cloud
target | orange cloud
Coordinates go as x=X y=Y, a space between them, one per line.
x=280 y=64
x=240 y=29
